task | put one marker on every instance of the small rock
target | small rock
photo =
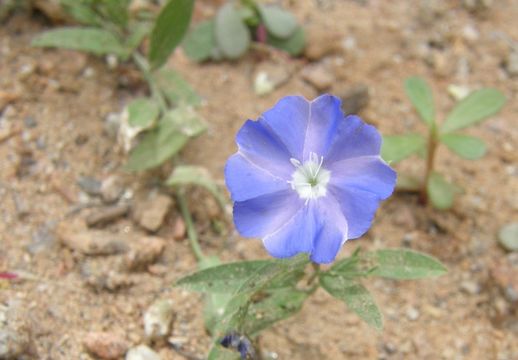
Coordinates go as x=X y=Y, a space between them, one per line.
x=91 y=242
x=142 y=352
x=105 y=345
x=470 y=287
x=458 y=92
x=108 y=281
x=150 y=212
x=111 y=189
x=271 y=75
x=15 y=335
x=511 y=63
x=158 y=318
x=318 y=76
x=508 y=237
x=144 y=252
x=412 y=313
x=354 y=99
x=89 y=185
x=321 y=42
x=30 y=122
x=106 y=214
x=477 y=6
x=179 y=228
x=42 y=239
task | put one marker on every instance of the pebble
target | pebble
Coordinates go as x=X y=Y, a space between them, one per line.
x=15 y=335
x=42 y=239
x=412 y=313
x=142 y=352
x=321 y=42
x=354 y=99
x=89 y=185
x=105 y=345
x=111 y=189
x=270 y=76
x=144 y=252
x=179 y=229
x=30 y=122
x=107 y=214
x=150 y=212
x=158 y=318
x=477 y=6
x=108 y=281
x=318 y=76
x=511 y=63
x=91 y=242
x=470 y=287
x=508 y=237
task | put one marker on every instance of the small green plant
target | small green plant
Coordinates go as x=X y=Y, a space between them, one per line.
x=166 y=120
x=236 y=24
x=474 y=108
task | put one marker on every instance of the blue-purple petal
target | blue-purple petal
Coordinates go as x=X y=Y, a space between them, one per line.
x=288 y=119
x=246 y=180
x=358 y=207
x=261 y=147
x=263 y=215
x=353 y=138
x=368 y=173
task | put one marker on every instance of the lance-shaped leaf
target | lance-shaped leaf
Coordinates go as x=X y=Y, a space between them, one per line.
x=355 y=295
x=232 y=36
x=401 y=264
x=476 y=107
x=175 y=88
x=271 y=307
x=440 y=192
x=421 y=97
x=200 y=41
x=280 y=23
x=468 y=147
x=170 y=27
x=398 y=147
x=92 y=40
x=196 y=175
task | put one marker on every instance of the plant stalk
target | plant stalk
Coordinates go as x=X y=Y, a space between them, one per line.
x=191 y=230
x=430 y=159
x=143 y=66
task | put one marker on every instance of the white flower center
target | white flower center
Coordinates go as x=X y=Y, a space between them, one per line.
x=310 y=179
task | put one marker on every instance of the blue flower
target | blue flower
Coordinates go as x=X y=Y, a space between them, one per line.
x=306 y=178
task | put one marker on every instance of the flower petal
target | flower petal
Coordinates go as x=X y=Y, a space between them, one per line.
x=264 y=214
x=246 y=180
x=288 y=119
x=261 y=147
x=332 y=231
x=368 y=173
x=358 y=207
x=353 y=138
x=325 y=116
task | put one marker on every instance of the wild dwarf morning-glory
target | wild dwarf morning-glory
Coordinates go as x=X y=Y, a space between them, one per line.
x=306 y=178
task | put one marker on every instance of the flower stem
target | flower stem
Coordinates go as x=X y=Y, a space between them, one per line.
x=430 y=159
x=191 y=231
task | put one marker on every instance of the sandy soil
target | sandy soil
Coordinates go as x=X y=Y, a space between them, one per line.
x=54 y=107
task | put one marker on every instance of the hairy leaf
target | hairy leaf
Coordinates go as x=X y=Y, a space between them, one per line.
x=279 y=22
x=421 y=97
x=402 y=264
x=468 y=147
x=294 y=45
x=232 y=35
x=170 y=27
x=440 y=192
x=398 y=147
x=477 y=106
x=199 y=42
x=142 y=112
x=175 y=88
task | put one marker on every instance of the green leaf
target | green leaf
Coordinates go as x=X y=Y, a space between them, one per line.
x=398 y=147
x=138 y=33
x=199 y=42
x=294 y=45
x=196 y=175
x=116 y=11
x=468 y=147
x=175 y=88
x=232 y=35
x=421 y=97
x=172 y=133
x=440 y=192
x=508 y=237
x=355 y=295
x=272 y=307
x=402 y=264
x=225 y=278
x=142 y=113
x=170 y=27
x=92 y=40
x=82 y=11
x=407 y=182
x=476 y=107
x=279 y=22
